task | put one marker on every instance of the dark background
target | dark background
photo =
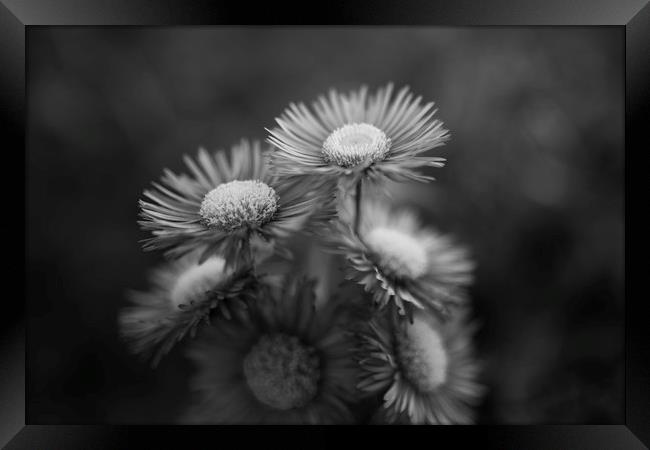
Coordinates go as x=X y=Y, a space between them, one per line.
x=534 y=185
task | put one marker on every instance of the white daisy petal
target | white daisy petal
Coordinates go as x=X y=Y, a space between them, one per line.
x=425 y=389
x=229 y=197
x=358 y=135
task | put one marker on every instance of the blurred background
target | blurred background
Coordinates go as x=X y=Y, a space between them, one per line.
x=533 y=185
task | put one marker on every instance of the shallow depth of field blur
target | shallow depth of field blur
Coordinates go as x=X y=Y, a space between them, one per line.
x=533 y=185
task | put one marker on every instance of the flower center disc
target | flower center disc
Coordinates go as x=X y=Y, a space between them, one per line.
x=282 y=372
x=195 y=281
x=236 y=204
x=398 y=253
x=354 y=144
x=422 y=355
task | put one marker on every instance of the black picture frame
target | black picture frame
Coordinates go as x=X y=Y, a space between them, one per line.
x=17 y=15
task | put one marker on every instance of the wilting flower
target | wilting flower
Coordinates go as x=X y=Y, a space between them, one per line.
x=184 y=294
x=280 y=362
x=396 y=258
x=425 y=370
x=357 y=135
x=228 y=198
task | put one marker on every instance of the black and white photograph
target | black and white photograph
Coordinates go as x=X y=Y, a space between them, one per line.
x=374 y=225
x=326 y=225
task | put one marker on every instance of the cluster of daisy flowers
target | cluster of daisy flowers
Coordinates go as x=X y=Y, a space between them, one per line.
x=397 y=349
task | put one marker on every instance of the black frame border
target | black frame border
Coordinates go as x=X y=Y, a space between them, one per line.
x=17 y=15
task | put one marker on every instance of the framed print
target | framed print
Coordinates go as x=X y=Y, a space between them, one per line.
x=391 y=216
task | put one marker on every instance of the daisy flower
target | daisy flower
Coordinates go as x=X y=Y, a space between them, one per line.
x=281 y=362
x=425 y=370
x=183 y=295
x=228 y=198
x=393 y=256
x=358 y=136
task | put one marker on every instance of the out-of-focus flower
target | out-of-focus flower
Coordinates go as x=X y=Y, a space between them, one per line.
x=183 y=295
x=357 y=135
x=425 y=370
x=228 y=198
x=395 y=257
x=280 y=362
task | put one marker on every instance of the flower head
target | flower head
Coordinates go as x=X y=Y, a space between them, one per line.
x=357 y=135
x=425 y=369
x=184 y=294
x=228 y=198
x=280 y=361
x=396 y=258
x=238 y=204
x=355 y=144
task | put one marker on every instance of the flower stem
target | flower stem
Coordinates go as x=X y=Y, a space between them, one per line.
x=357 y=207
x=250 y=254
